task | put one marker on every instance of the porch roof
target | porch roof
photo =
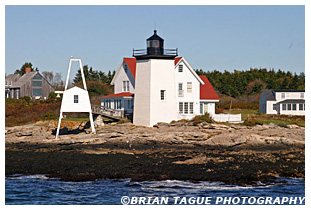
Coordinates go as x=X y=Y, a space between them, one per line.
x=123 y=94
x=292 y=101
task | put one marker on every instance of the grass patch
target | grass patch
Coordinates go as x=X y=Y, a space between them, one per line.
x=252 y=117
x=245 y=113
x=302 y=124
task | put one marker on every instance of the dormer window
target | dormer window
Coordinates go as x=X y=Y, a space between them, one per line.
x=10 y=83
x=180 y=68
x=126 y=86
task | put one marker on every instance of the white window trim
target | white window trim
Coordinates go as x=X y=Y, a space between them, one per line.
x=126 y=86
x=189 y=87
x=186 y=106
x=180 y=90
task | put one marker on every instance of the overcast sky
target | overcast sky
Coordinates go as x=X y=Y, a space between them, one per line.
x=209 y=37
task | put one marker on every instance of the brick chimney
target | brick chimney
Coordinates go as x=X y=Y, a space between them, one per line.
x=27 y=70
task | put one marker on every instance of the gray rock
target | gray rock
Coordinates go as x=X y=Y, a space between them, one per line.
x=98 y=122
x=24 y=133
x=292 y=126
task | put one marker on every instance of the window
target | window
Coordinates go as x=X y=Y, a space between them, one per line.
x=10 y=83
x=191 y=107
x=294 y=107
x=189 y=87
x=37 y=77
x=180 y=68
x=117 y=104
x=162 y=92
x=125 y=68
x=289 y=106
x=283 y=95
x=186 y=108
x=6 y=83
x=126 y=86
x=37 y=83
x=180 y=90
x=181 y=107
x=274 y=106
x=300 y=107
x=287 y=95
x=37 y=91
x=302 y=95
x=201 y=108
x=76 y=99
x=283 y=106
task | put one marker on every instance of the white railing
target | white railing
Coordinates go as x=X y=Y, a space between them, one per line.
x=227 y=117
x=96 y=109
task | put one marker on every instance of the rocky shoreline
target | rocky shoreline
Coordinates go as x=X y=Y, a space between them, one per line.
x=232 y=154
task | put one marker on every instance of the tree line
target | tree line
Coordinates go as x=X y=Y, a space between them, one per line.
x=253 y=81
x=234 y=84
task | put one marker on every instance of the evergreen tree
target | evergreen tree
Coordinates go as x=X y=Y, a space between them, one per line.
x=22 y=70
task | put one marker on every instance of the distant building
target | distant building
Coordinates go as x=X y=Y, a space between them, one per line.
x=31 y=84
x=287 y=102
x=156 y=86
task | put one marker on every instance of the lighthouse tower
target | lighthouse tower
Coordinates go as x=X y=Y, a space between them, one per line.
x=155 y=89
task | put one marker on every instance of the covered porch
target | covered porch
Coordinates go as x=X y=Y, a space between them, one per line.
x=119 y=102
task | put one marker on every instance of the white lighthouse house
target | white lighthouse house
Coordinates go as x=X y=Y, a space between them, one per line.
x=75 y=99
x=156 y=86
x=155 y=96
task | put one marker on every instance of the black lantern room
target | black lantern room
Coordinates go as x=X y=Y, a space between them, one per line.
x=155 y=49
x=155 y=45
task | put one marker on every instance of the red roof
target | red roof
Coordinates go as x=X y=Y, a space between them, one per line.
x=177 y=60
x=131 y=63
x=207 y=91
x=124 y=94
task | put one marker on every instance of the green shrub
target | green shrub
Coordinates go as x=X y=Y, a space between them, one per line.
x=26 y=98
x=202 y=118
x=52 y=95
x=50 y=115
x=252 y=122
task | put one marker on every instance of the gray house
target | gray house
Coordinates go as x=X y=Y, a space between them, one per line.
x=31 y=84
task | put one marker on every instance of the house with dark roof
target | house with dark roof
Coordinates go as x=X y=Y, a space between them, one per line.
x=31 y=84
x=287 y=102
x=157 y=86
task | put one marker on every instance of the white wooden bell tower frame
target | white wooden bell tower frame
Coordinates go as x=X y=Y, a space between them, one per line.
x=66 y=107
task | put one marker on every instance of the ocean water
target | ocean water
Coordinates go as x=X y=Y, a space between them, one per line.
x=40 y=190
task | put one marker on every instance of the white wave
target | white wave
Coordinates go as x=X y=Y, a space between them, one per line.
x=19 y=176
x=174 y=185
